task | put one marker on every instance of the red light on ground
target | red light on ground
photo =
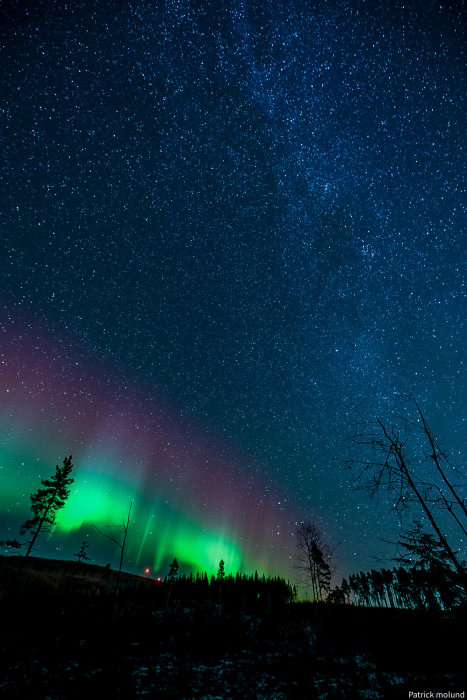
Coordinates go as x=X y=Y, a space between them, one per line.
x=158 y=579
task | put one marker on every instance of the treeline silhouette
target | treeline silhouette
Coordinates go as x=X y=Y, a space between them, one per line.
x=239 y=591
x=411 y=588
x=206 y=580
x=72 y=583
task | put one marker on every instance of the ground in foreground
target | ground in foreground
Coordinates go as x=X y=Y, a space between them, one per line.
x=61 y=638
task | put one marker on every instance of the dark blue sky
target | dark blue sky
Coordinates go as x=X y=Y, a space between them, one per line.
x=252 y=208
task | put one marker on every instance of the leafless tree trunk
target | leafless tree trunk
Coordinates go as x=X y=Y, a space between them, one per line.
x=391 y=469
x=313 y=558
x=436 y=454
x=125 y=526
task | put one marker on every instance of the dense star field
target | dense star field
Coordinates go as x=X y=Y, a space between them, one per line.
x=230 y=231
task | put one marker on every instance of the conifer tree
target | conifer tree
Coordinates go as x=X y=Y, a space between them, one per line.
x=221 y=571
x=82 y=554
x=171 y=577
x=47 y=501
x=173 y=570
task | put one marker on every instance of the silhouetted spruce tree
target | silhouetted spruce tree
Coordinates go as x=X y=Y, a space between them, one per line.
x=429 y=555
x=220 y=581
x=336 y=596
x=47 y=501
x=423 y=550
x=221 y=571
x=82 y=554
x=173 y=570
x=172 y=576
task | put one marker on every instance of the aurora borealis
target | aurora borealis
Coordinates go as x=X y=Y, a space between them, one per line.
x=187 y=498
x=230 y=232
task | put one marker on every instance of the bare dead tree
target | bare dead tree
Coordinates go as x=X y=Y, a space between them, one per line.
x=451 y=501
x=121 y=544
x=447 y=505
x=390 y=468
x=314 y=559
x=437 y=455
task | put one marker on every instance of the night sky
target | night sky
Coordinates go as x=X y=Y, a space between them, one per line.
x=230 y=231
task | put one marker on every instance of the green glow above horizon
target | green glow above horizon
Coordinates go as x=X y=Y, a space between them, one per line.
x=164 y=524
x=95 y=499
x=173 y=535
x=103 y=501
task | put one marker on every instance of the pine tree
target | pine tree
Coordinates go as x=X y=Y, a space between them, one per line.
x=82 y=554
x=221 y=571
x=47 y=501
x=173 y=570
x=171 y=577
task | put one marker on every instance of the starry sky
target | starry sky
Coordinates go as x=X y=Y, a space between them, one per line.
x=230 y=231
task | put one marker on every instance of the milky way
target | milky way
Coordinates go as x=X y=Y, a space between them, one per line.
x=238 y=224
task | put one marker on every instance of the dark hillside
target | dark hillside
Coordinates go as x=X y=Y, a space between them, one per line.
x=60 y=639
